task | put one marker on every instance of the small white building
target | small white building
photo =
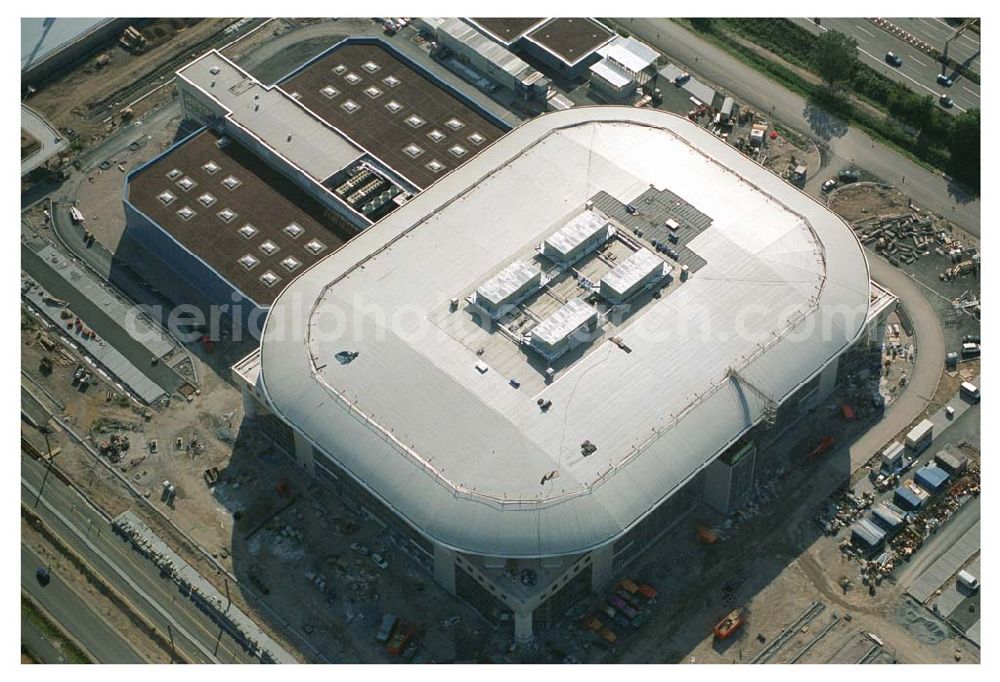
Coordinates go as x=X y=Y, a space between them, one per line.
x=505 y=289
x=626 y=64
x=563 y=329
x=578 y=237
x=635 y=272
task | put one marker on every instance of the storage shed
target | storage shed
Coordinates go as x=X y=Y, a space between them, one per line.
x=632 y=274
x=892 y=456
x=908 y=499
x=561 y=330
x=867 y=536
x=952 y=462
x=889 y=517
x=932 y=479
x=506 y=288
x=578 y=237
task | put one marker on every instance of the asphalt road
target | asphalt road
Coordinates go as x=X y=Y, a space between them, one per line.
x=967 y=47
x=48 y=137
x=89 y=534
x=918 y=71
x=40 y=647
x=930 y=190
x=70 y=610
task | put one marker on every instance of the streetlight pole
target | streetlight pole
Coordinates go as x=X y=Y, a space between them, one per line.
x=48 y=468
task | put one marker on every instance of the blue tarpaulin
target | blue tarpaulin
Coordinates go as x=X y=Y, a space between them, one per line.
x=906 y=499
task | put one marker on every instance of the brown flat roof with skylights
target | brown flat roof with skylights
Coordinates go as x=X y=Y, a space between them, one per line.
x=406 y=120
x=571 y=39
x=243 y=219
x=507 y=29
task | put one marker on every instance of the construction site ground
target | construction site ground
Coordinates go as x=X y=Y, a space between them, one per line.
x=59 y=99
x=866 y=200
x=99 y=194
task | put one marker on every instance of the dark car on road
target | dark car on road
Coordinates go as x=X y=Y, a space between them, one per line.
x=42 y=576
x=945 y=80
x=893 y=59
x=947 y=102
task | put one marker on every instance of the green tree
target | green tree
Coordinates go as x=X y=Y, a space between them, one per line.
x=705 y=24
x=835 y=56
x=965 y=148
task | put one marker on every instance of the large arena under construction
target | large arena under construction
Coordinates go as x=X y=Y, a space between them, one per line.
x=536 y=366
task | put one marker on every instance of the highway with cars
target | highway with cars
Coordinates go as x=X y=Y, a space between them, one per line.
x=916 y=70
x=193 y=633
x=847 y=146
x=74 y=614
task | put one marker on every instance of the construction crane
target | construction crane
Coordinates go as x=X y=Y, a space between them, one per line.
x=958 y=31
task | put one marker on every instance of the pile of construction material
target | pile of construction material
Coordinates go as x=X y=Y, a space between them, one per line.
x=115 y=447
x=900 y=237
x=189 y=581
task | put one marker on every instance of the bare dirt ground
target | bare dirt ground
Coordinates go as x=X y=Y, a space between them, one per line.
x=786 y=152
x=867 y=200
x=60 y=100
x=99 y=197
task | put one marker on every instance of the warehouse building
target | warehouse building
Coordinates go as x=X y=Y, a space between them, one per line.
x=569 y=46
x=280 y=175
x=523 y=479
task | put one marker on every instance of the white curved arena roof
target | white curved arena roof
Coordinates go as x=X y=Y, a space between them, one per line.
x=470 y=459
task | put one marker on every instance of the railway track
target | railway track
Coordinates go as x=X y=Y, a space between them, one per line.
x=778 y=642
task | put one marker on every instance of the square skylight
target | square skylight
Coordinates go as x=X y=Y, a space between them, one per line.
x=211 y=168
x=231 y=182
x=186 y=183
x=295 y=95
x=413 y=150
x=434 y=166
x=186 y=213
x=370 y=67
x=454 y=124
x=393 y=106
x=352 y=78
x=458 y=150
x=330 y=92
x=290 y=263
x=436 y=135
x=373 y=91
x=269 y=278
x=269 y=247
x=165 y=197
x=391 y=81
x=339 y=69
x=248 y=231
x=476 y=138
x=350 y=106
x=293 y=230
x=415 y=121
x=249 y=261
x=226 y=215
x=206 y=200
x=175 y=173
x=315 y=246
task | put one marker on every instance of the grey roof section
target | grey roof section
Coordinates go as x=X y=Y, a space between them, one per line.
x=632 y=270
x=499 y=56
x=611 y=72
x=699 y=90
x=580 y=229
x=459 y=454
x=868 y=532
x=272 y=116
x=107 y=356
x=41 y=37
x=563 y=322
x=947 y=565
x=508 y=282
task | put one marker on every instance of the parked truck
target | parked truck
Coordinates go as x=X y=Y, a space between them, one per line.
x=389 y=622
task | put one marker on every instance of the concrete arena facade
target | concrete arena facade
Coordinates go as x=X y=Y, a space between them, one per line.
x=448 y=456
